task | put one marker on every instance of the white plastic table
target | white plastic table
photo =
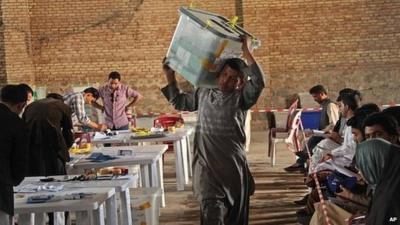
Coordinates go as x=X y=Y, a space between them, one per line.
x=148 y=157
x=121 y=186
x=89 y=210
x=181 y=142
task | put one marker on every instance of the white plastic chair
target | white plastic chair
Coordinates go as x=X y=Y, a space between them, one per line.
x=290 y=137
x=280 y=130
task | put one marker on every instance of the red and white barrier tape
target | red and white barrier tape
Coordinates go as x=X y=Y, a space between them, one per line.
x=188 y=113
x=317 y=184
x=252 y=110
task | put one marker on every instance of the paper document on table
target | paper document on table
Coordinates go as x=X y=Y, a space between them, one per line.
x=99 y=135
x=327 y=144
x=31 y=188
x=341 y=169
x=318 y=133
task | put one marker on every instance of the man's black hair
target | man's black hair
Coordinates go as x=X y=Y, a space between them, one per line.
x=92 y=91
x=235 y=64
x=55 y=96
x=13 y=94
x=346 y=91
x=393 y=111
x=349 y=91
x=114 y=75
x=27 y=88
x=387 y=122
x=357 y=122
x=360 y=114
x=351 y=101
x=318 y=89
x=368 y=108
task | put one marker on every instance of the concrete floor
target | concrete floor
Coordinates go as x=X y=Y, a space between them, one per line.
x=275 y=189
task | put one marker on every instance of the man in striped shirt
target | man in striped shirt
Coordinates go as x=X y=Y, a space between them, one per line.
x=76 y=101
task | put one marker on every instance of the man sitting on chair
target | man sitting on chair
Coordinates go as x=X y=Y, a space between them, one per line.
x=329 y=117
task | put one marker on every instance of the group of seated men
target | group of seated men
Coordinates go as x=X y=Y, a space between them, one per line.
x=353 y=166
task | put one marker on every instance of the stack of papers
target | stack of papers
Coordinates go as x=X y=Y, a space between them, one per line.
x=318 y=133
x=32 y=188
x=100 y=135
x=341 y=169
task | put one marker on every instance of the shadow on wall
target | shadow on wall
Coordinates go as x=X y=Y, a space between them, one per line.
x=115 y=19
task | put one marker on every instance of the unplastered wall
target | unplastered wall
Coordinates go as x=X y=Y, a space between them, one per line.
x=80 y=42
x=16 y=48
x=337 y=43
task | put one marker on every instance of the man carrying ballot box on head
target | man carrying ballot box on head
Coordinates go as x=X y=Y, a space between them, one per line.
x=222 y=181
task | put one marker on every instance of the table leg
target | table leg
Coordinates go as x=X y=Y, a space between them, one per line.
x=185 y=160
x=26 y=219
x=59 y=218
x=161 y=180
x=40 y=218
x=111 y=211
x=190 y=155
x=153 y=172
x=144 y=175
x=126 y=213
x=180 y=179
x=98 y=216
x=82 y=218
x=69 y=222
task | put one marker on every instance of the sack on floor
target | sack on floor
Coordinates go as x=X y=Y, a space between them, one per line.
x=337 y=215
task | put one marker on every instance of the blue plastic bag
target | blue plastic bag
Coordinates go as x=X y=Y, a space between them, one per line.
x=336 y=179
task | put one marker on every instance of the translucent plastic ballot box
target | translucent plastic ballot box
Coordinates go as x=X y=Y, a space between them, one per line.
x=201 y=43
x=145 y=206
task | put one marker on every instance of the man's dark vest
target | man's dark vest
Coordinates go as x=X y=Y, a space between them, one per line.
x=324 y=119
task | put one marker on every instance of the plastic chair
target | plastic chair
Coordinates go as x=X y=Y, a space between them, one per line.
x=82 y=137
x=290 y=137
x=279 y=131
x=166 y=122
x=293 y=142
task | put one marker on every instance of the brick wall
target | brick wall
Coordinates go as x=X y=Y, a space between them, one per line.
x=3 y=75
x=80 y=42
x=18 y=58
x=337 y=43
x=341 y=43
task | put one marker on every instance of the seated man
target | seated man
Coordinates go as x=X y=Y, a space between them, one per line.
x=338 y=131
x=327 y=149
x=382 y=125
x=356 y=123
x=329 y=116
x=393 y=111
x=378 y=161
